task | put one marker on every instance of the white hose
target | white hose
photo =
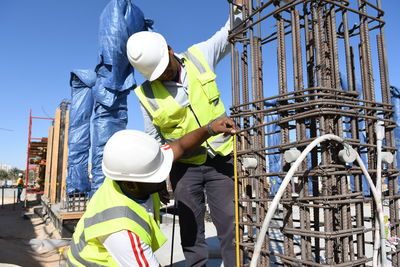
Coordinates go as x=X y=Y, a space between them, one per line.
x=380 y=134
x=377 y=243
x=378 y=202
x=274 y=204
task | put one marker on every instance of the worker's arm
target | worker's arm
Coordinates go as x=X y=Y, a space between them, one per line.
x=192 y=140
x=149 y=128
x=217 y=47
x=128 y=250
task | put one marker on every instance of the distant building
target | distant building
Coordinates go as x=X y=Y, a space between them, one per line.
x=4 y=166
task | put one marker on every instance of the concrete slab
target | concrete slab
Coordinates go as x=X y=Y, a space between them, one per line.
x=178 y=260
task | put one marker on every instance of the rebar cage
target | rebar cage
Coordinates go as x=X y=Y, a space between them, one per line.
x=332 y=77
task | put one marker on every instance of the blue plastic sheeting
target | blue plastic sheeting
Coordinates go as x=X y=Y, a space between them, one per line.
x=274 y=160
x=361 y=125
x=106 y=121
x=81 y=109
x=115 y=77
x=395 y=93
x=119 y=20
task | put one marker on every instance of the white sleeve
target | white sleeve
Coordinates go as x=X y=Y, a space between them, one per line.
x=217 y=47
x=127 y=249
x=149 y=127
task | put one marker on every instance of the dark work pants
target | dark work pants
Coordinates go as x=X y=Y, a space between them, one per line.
x=19 y=193
x=190 y=182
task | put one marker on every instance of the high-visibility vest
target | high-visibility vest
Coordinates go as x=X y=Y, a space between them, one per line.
x=175 y=120
x=110 y=211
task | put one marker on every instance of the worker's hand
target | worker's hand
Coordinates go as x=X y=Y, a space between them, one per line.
x=241 y=3
x=164 y=194
x=223 y=125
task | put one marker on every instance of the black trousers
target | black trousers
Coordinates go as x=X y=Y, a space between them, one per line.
x=190 y=184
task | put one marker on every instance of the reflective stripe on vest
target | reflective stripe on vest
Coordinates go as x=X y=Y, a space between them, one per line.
x=110 y=211
x=150 y=95
x=195 y=61
x=75 y=249
x=108 y=214
x=114 y=213
x=175 y=120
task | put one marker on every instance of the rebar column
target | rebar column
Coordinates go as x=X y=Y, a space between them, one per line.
x=301 y=63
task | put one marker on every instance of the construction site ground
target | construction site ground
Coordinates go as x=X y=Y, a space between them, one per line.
x=27 y=239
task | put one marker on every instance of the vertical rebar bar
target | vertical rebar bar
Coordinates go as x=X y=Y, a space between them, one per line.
x=325 y=225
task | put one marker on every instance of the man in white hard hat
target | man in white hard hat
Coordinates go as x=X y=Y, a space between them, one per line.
x=121 y=224
x=20 y=186
x=181 y=95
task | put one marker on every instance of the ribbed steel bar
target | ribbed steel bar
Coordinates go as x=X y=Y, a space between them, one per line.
x=282 y=78
x=392 y=181
x=330 y=224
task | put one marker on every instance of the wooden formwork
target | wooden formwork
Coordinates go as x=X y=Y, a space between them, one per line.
x=57 y=157
x=56 y=174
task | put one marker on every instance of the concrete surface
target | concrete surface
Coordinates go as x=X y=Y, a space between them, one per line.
x=164 y=253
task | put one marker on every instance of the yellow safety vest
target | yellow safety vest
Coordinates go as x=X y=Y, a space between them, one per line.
x=175 y=120
x=20 y=183
x=110 y=211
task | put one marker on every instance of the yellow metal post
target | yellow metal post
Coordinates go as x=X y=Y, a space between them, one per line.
x=236 y=201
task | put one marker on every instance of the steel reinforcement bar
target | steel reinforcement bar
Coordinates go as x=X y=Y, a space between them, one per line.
x=302 y=69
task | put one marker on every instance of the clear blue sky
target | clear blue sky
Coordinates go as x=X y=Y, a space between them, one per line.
x=43 y=40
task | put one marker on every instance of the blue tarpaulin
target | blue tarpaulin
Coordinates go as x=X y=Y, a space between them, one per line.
x=81 y=108
x=395 y=93
x=119 y=20
x=106 y=121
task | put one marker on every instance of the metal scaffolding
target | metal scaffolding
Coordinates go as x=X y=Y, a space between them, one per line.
x=332 y=77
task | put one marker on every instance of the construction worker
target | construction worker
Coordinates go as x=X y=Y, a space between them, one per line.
x=20 y=186
x=180 y=95
x=121 y=224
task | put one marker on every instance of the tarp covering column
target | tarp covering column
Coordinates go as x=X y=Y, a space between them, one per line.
x=395 y=93
x=81 y=109
x=119 y=20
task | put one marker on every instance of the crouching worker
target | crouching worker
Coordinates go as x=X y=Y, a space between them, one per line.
x=121 y=224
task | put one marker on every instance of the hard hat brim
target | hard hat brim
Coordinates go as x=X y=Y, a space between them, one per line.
x=157 y=177
x=162 y=65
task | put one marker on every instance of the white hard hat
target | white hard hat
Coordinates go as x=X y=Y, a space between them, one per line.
x=20 y=174
x=148 y=53
x=135 y=156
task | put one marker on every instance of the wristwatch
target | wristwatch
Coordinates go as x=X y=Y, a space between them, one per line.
x=210 y=130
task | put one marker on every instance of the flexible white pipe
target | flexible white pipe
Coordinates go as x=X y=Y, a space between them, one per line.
x=380 y=134
x=274 y=204
x=378 y=202
x=377 y=243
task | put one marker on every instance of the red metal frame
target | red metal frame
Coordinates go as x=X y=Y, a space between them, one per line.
x=27 y=153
